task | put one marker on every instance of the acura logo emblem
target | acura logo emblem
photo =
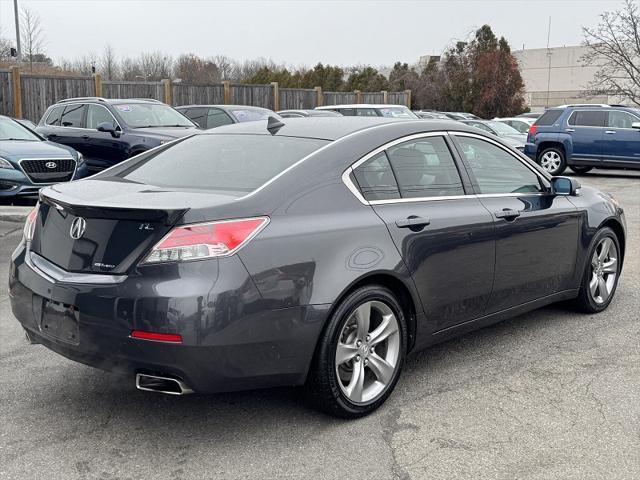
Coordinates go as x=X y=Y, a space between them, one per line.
x=51 y=165
x=78 y=227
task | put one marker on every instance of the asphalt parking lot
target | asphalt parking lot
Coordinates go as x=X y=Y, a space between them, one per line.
x=548 y=395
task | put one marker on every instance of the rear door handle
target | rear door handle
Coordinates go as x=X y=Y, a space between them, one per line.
x=507 y=213
x=610 y=132
x=569 y=130
x=413 y=222
x=86 y=137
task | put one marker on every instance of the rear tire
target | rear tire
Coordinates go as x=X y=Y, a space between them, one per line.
x=553 y=160
x=601 y=273
x=579 y=169
x=360 y=354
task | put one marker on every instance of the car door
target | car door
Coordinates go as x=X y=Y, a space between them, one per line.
x=536 y=231
x=621 y=141
x=101 y=149
x=586 y=128
x=445 y=237
x=69 y=131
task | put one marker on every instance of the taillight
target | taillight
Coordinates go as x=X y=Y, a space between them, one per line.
x=532 y=129
x=205 y=240
x=30 y=223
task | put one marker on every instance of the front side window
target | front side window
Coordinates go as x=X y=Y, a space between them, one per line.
x=198 y=115
x=425 y=168
x=53 y=118
x=619 y=119
x=217 y=118
x=494 y=170
x=150 y=115
x=97 y=115
x=72 y=116
x=587 y=118
x=234 y=164
x=376 y=179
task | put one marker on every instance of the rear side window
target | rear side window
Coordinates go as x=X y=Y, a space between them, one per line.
x=217 y=118
x=376 y=179
x=54 y=116
x=197 y=115
x=221 y=163
x=587 y=118
x=72 y=116
x=425 y=168
x=549 y=117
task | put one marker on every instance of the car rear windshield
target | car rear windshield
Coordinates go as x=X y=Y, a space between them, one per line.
x=230 y=163
x=549 y=117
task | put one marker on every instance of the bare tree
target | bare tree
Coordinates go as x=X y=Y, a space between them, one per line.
x=155 y=66
x=108 y=63
x=5 y=48
x=614 y=46
x=31 y=36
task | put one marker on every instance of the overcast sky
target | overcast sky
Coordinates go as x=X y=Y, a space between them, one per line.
x=299 y=32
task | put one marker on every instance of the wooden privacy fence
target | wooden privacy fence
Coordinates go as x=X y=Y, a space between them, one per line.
x=28 y=96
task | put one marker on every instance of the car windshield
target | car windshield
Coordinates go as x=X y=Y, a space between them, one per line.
x=12 y=130
x=396 y=112
x=252 y=114
x=223 y=163
x=502 y=128
x=148 y=115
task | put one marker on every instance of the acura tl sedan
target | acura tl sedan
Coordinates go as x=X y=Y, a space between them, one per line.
x=316 y=252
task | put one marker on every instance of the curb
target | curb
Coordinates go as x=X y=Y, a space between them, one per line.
x=15 y=214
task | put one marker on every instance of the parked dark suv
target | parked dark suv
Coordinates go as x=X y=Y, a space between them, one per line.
x=582 y=137
x=109 y=131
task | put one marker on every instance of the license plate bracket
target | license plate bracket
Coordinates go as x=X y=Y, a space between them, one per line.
x=60 y=321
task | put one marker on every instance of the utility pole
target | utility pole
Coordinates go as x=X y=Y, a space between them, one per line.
x=17 y=16
x=549 y=56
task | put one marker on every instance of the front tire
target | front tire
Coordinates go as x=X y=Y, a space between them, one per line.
x=579 y=169
x=553 y=160
x=360 y=354
x=600 y=278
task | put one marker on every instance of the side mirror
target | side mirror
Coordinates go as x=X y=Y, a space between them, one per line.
x=109 y=128
x=636 y=125
x=565 y=186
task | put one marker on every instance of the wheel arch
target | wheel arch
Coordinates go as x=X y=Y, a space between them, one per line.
x=618 y=229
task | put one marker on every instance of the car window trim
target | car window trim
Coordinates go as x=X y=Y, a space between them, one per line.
x=346 y=175
x=83 y=116
x=115 y=122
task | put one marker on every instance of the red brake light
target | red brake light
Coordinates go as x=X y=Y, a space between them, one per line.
x=157 y=337
x=532 y=129
x=205 y=240
x=30 y=223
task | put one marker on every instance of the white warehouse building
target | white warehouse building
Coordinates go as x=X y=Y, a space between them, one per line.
x=557 y=76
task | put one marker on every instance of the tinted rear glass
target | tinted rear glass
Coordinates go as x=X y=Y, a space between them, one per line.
x=230 y=163
x=549 y=117
x=587 y=118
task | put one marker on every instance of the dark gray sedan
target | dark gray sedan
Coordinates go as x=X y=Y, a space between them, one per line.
x=316 y=252
x=213 y=116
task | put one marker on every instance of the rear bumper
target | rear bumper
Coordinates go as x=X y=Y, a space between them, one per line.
x=231 y=340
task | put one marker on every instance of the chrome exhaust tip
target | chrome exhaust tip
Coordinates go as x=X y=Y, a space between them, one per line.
x=154 y=383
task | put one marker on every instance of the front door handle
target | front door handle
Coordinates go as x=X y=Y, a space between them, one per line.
x=413 y=222
x=507 y=214
x=570 y=130
x=610 y=132
x=86 y=137
x=51 y=135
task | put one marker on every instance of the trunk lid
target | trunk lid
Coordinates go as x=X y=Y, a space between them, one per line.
x=119 y=222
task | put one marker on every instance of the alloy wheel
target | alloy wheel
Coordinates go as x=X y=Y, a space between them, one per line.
x=551 y=161
x=368 y=352
x=604 y=270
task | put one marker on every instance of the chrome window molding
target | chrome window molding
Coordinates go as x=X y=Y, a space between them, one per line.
x=81 y=128
x=75 y=168
x=346 y=175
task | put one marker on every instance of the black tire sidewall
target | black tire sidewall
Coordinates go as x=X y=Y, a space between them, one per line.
x=580 y=169
x=563 y=160
x=585 y=300
x=336 y=402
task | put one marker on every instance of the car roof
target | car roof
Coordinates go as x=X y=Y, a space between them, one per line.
x=360 y=105
x=223 y=107
x=110 y=101
x=332 y=128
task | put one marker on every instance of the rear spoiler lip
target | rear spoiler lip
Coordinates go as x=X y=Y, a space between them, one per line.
x=168 y=217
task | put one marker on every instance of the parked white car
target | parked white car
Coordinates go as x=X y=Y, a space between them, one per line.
x=371 y=110
x=521 y=124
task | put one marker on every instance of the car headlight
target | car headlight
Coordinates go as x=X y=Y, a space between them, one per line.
x=5 y=164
